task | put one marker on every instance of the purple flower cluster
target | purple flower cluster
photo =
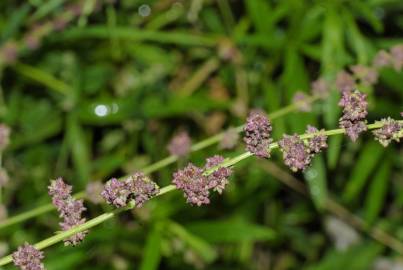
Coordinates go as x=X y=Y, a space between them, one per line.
x=297 y=153
x=391 y=130
x=136 y=187
x=345 y=82
x=354 y=105
x=367 y=75
x=4 y=136
x=180 y=144
x=257 y=134
x=69 y=209
x=27 y=257
x=296 y=156
x=196 y=185
x=300 y=100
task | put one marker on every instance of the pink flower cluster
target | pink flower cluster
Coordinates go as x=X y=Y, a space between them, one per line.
x=27 y=257
x=136 y=187
x=196 y=185
x=257 y=134
x=391 y=130
x=69 y=209
x=180 y=144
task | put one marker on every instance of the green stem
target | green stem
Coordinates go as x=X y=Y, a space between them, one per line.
x=153 y=167
x=106 y=216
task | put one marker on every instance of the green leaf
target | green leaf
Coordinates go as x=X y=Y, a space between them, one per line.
x=197 y=243
x=152 y=251
x=317 y=183
x=377 y=192
x=368 y=159
x=227 y=231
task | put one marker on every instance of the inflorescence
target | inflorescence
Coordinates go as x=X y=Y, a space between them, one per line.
x=27 y=257
x=257 y=134
x=137 y=187
x=69 y=209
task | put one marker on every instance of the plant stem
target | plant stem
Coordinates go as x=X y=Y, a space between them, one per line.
x=153 y=167
x=227 y=163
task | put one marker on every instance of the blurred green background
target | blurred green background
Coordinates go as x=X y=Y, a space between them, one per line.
x=103 y=95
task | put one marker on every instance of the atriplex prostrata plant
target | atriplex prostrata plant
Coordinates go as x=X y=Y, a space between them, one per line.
x=196 y=182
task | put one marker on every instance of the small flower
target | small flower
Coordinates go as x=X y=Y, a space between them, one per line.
x=300 y=99
x=3 y=177
x=27 y=257
x=257 y=134
x=354 y=105
x=180 y=144
x=320 y=88
x=317 y=142
x=4 y=136
x=142 y=188
x=382 y=59
x=388 y=132
x=219 y=178
x=193 y=183
x=344 y=81
x=397 y=56
x=295 y=154
x=116 y=193
x=367 y=75
x=93 y=192
x=230 y=139
x=69 y=209
x=3 y=212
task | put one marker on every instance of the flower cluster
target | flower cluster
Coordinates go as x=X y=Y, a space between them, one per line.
x=196 y=185
x=367 y=75
x=354 y=105
x=345 y=81
x=257 y=134
x=320 y=88
x=27 y=257
x=180 y=144
x=297 y=153
x=390 y=130
x=69 y=209
x=136 y=187
x=4 y=136
x=393 y=58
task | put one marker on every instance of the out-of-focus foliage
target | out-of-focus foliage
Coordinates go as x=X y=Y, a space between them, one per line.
x=102 y=98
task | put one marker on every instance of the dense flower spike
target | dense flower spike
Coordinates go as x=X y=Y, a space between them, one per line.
x=317 y=142
x=354 y=105
x=180 y=144
x=27 y=257
x=93 y=192
x=218 y=179
x=116 y=193
x=300 y=99
x=193 y=183
x=4 y=136
x=69 y=209
x=257 y=134
x=320 y=88
x=388 y=132
x=229 y=139
x=397 y=56
x=295 y=154
x=344 y=81
x=3 y=177
x=142 y=188
x=367 y=75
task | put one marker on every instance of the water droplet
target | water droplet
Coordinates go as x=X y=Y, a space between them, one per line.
x=144 y=10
